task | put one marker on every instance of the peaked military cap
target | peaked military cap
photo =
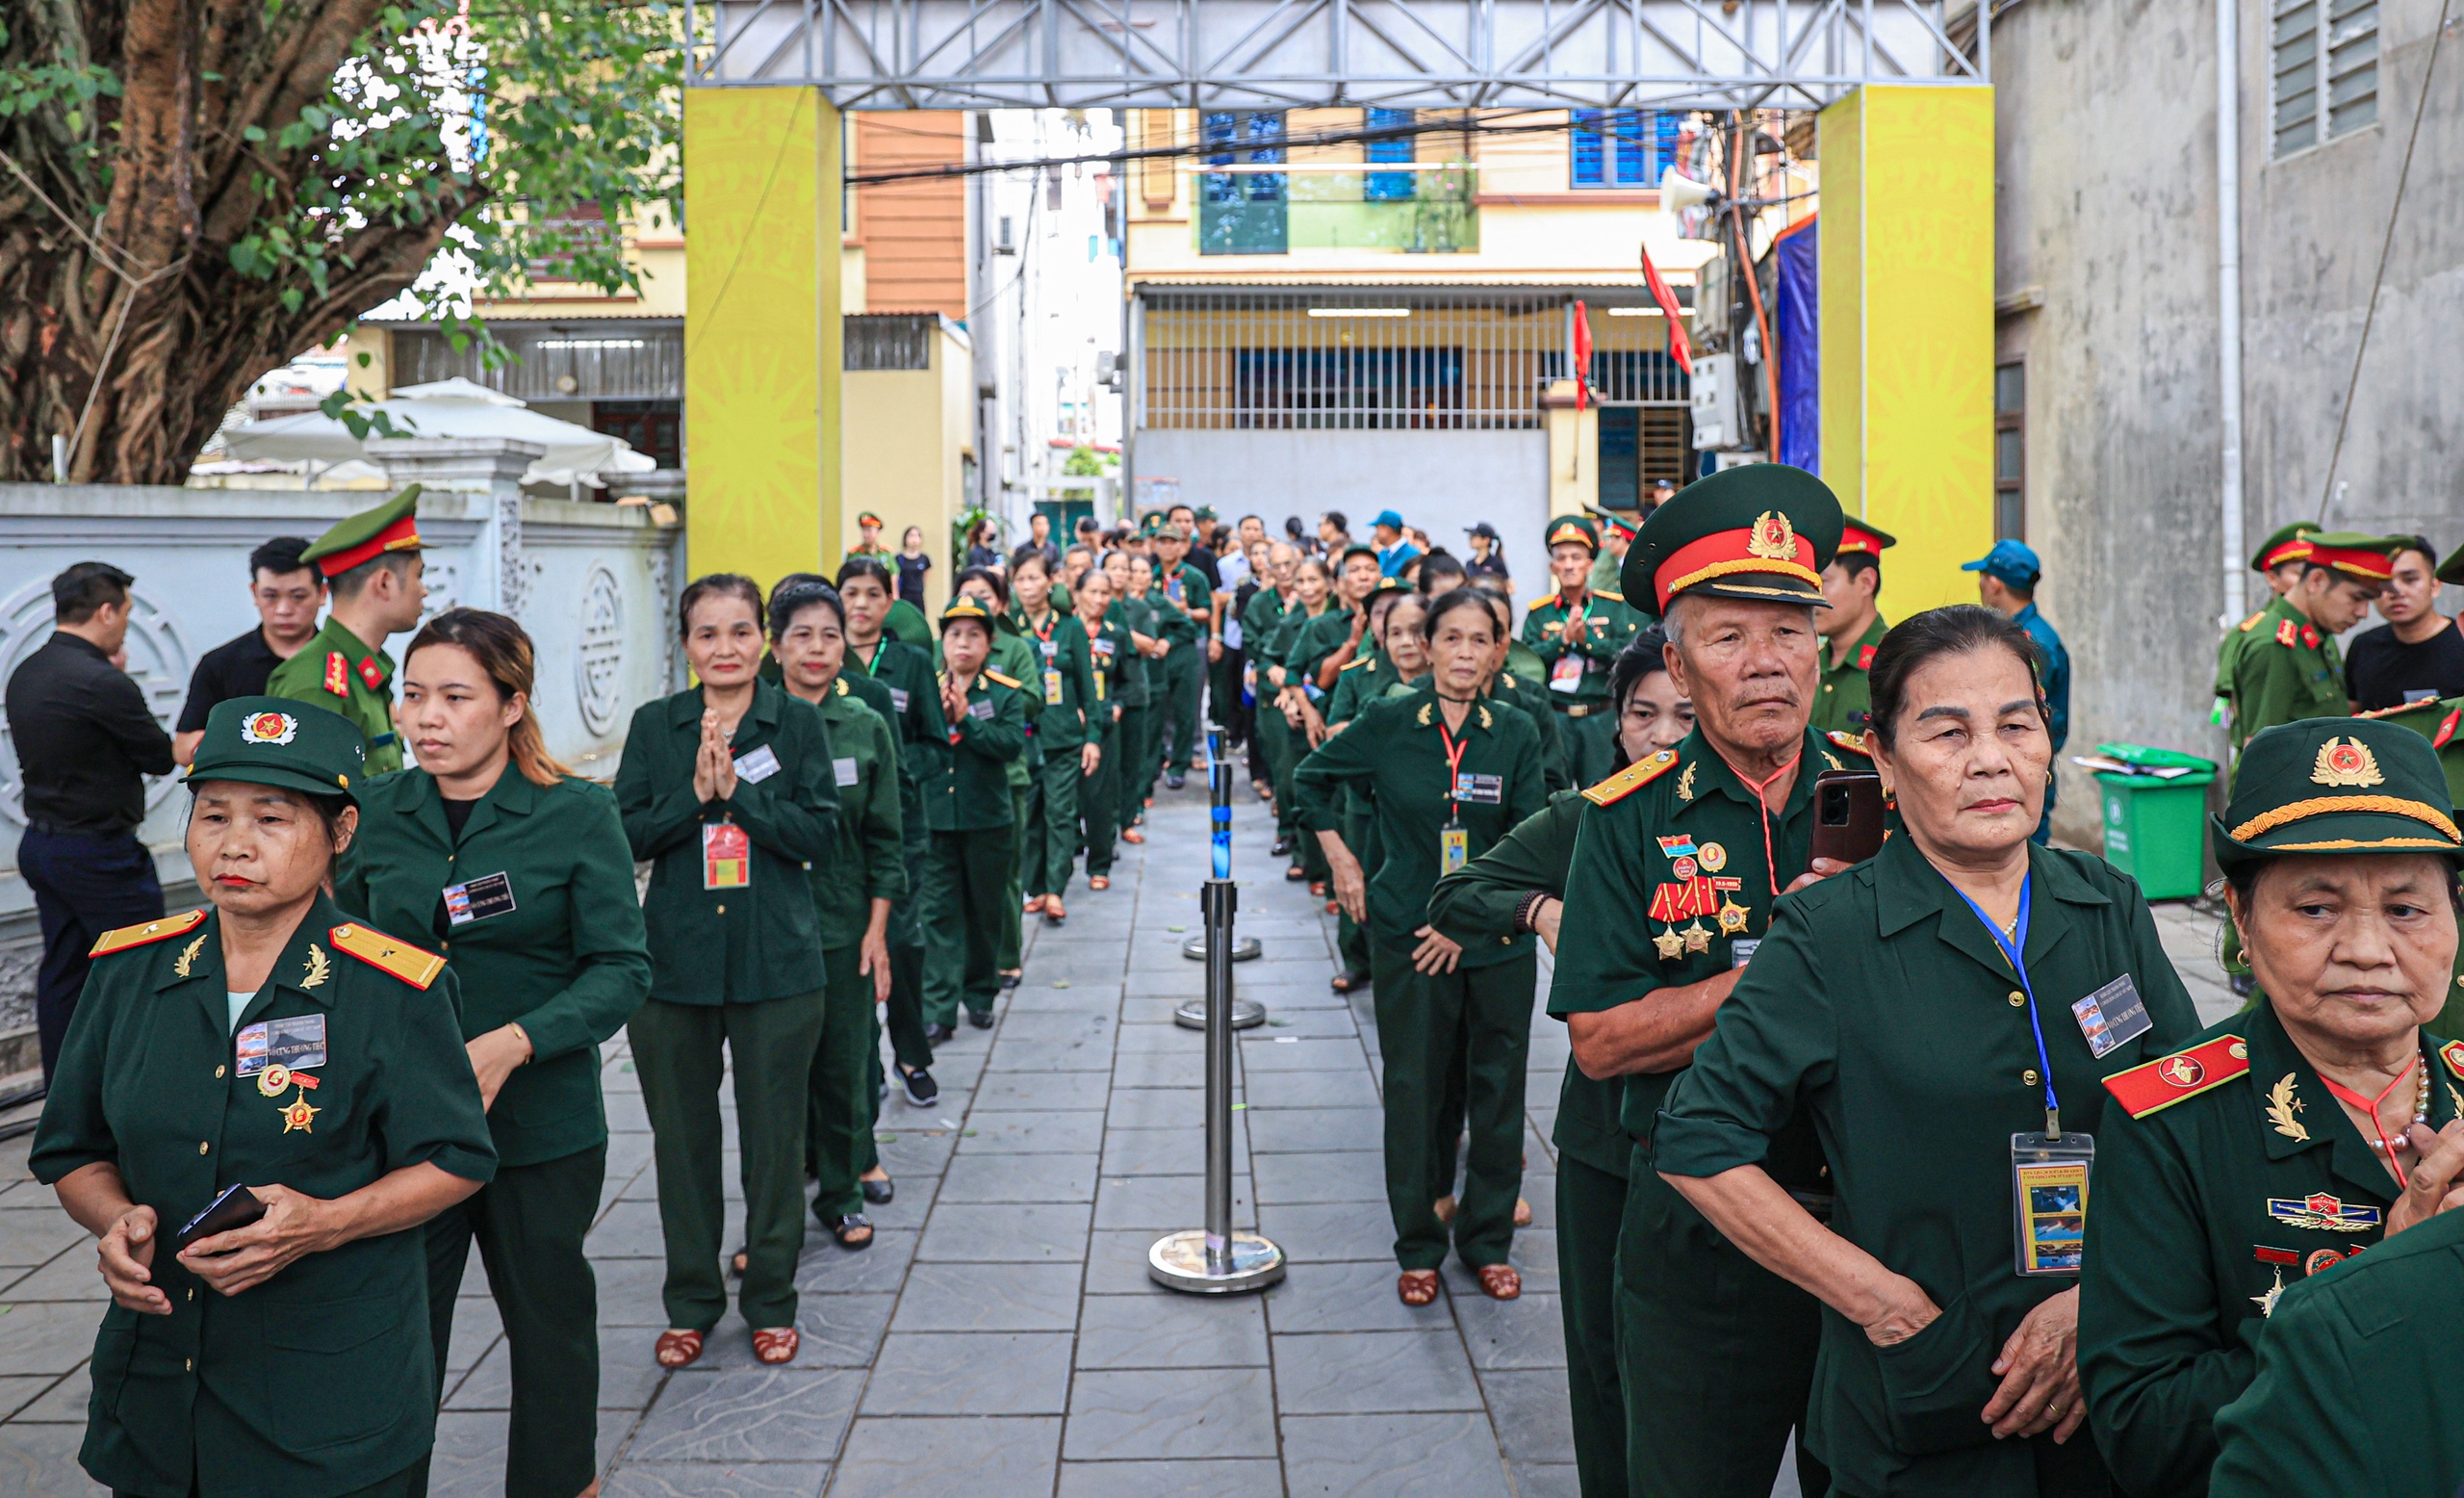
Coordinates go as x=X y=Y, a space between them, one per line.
x=2336 y=785
x=1579 y=530
x=965 y=607
x=2285 y=544
x=2451 y=570
x=1855 y=535
x=2369 y=558
x=1760 y=532
x=279 y=742
x=355 y=539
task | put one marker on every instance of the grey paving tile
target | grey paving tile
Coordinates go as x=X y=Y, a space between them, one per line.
x=1529 y=1408
x=1159 y=1151
x=1163 y=1330
x=1019 y=1177
x=62 y=1402
x=827 y=1269
x=1317 y=1296
x=628 y=1229
x=908 y=1154
x=40 y=1461
x=1261 y=1054
x=629 y=1295
x=767 y=1415
x=1042 y=996
x=71 y=1276
x=1540 y=1189
x=1534 y=1256
x=1164 y=1202
x=1043 y=1091
x=1158 y=1107
x=36 y=1234
x=1373 y=1372
x=1276 y=1130
x=20 y=1391
x=1039 y=1133
x=1413 y=1455
x=909 y=1458
x=1279 y=1090
x=1566 y=1481
x=1007 y=1233
x=1216 y=1479
x=1327 y=1023
x=971 y=1372
x=715 y=1479
x=628 y=1372
x=1357 y=1175
x=989 y=1298
x=1092 y=1026
x=1203 y=1414
x=1116 y=1261
x=1159 y=1069
x=468 y=1460
x=1161 y=1039
x=48 y=1336
x=1321 y=1232
x=1040 y=1055
x=1529 y=1333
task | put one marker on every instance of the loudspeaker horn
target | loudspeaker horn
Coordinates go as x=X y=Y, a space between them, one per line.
x=1679 y=192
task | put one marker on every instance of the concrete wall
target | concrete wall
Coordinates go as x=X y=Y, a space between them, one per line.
x=2107 y=280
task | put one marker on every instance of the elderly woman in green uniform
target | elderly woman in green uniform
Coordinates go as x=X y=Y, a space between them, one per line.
x=1395 y=615
x=282 y=1055
x=729 y=790
x=1014 y=659
x=1312 y=596
x=1109 y=653
x=520 y=872
x=1947 y=1012
x=1134 y=617
x=852 y=897
x=2298 y=1133
x=974 y=838
x=1066 y=733
x=1518 y=888
x=1448 y=773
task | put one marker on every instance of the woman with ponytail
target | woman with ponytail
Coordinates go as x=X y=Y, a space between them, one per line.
x=519 y=872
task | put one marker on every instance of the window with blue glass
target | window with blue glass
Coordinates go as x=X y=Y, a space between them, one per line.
x=1243 y=213
x=1622 y=148
x=1388 y=187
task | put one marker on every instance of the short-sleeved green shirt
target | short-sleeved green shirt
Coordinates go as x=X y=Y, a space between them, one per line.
x=338 y=671
x=320 y=1378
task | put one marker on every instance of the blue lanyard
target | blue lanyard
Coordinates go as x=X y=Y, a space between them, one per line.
x=2011 y=947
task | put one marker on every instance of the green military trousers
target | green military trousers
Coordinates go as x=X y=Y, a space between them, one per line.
x=1429 y=1024
x=1588 y=742
x=966 y=886
x=1272 y=736
x=1099 y=804
x=838 y=1103
x=529 y=1223
x=1137 y=764
x=679 y=1050
x=1714 y=1355
x=903 y=1016
x=1050 y=846
x=1010 y=948
x=1591 y=1203
x=1185 y=681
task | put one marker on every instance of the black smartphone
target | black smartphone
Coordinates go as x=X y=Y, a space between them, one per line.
x=1847 y=815
x=237 y=1207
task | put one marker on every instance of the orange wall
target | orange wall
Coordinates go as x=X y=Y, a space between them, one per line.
x=913 y=234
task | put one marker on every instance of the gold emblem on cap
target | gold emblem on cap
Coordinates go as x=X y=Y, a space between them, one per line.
x=2347 y=761
x=1772 y=539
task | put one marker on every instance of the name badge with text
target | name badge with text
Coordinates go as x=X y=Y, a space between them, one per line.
x=477 y=899
x=726 y=857
x=757 y=764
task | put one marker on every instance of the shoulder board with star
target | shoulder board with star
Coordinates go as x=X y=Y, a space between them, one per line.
x=1544 y=600
x=2158 y=1084
x=1854 y=743
x=2452 y=1054
x=1633 y=777
x=146 y=933
x=995 y=676
x=413 y=965
x=2400 y=709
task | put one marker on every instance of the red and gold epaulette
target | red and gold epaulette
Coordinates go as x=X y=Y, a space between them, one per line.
x=2399 y=710
x=2252 y=622
x=1542 y=602
x=146 y=933
x=1632 y=778
x=2287 y=632
x=1854 y=743
x=336 y=674
x=2446 y=728
x=2160 y=1083
x=2452 y=1054
x=413 y=965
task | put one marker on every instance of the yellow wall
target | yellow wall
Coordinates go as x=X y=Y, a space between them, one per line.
x=906 y=462
x=1908 y=329
x=1574 y=451
x=762 y=331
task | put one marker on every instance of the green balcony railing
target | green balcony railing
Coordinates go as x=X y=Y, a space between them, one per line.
x=1414 y=208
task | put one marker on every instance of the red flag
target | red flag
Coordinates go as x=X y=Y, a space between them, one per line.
x=1677 y=347
x=1582 y=354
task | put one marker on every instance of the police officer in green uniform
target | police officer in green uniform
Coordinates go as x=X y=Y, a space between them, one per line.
x=728 y=791
x=2293 y=1135
x=1186 y=600
x=1852 y=629
x=1449 y=772
x=974 y=829
x=279 y=1044
x=852 y=897
x=519 y=873
x=1576 y=632
x=1698 y=842
x=1068 y=738
x=373 y=563
x=1518 y=888
x=2279 y=560
x=2291 y=669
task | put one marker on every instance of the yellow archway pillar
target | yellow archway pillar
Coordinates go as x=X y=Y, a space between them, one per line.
x=762 y=330
x=1908 y=329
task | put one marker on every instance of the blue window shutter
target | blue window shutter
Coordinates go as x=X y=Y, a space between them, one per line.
x=1586 y=138
x=1633 y=151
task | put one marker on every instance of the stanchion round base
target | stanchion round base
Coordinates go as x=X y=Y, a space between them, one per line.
x=1243 y=948
x=1178 y=1262
x=1246 y=1013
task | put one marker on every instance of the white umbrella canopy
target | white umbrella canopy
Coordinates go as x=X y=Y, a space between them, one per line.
x=446 y=408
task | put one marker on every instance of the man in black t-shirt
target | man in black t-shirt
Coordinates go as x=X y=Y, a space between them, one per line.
x=2418 y=654
x=288 y=592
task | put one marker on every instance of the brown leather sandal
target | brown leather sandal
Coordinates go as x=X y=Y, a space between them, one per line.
x=677 y=1349
x=776 y=1345
x=1501 y=1282
x=1417 y=1286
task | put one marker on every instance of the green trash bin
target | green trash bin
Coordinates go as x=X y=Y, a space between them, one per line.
x=2156 y=816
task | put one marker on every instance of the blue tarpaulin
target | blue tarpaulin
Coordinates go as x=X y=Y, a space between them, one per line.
x=1799 y=314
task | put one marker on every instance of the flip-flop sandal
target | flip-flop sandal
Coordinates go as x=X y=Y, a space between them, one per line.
x=677 y=1349
x=1133 y=835
x=1295 y=874
x=1349 y=982
x=845 y=1227
x=776 y=1345
x=1500 y=1281
x=738 y=1262
x=880 y=1193
x=1417 y=1286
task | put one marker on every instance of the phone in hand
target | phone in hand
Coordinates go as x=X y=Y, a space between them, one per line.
x=236 y=1208
x=1847 y=815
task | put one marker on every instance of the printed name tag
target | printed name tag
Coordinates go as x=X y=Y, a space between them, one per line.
x=980 y=710
x=1741 y=950
x=726 y=857
x=898 y=699
x=1101 y=647
x=845 y=769
x=1454 y=849
x=1049 y=649
x=297 y=1043
x=1486 y=790
x=2113 y=1016
x=476 y=899
x=757 y=764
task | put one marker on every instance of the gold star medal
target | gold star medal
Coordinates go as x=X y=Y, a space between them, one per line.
x=273 y=1081
x=1731 y=919
x=1696 y=938
x=300 y=1116
x=1669 y=942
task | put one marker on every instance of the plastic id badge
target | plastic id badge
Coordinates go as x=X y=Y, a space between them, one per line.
x=2112 y=1016
x=758 y=764
x=1454 y=849
x=726 y=857
x=1051 y=688
x=477 y=899
x=2049 y=1201
x=1566 y=676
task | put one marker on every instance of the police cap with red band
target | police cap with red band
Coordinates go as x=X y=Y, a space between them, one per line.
x=1761 y=531
x=1856 y=536
x=358 y=539
x=2367 y=559
x=2285 y=544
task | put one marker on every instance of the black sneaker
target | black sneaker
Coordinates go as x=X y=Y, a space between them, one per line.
x=981 y=1018
x=938 y=1033
x=919 y=1086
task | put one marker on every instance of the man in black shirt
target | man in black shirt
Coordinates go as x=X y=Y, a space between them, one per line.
x=85 y=741
x=2418 y=654
x=288 y=592
x=1200 y=556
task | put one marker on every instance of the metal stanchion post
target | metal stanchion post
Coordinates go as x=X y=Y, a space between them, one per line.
x=1246 y=1014
x=1215 y=1259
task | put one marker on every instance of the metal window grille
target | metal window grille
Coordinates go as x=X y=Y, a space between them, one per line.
x=887 y=340
x=2322 y=86
x=2353 y=65
x=570 y=361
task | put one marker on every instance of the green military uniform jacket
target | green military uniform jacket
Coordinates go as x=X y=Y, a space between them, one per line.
x=1195 y=593
x=1316 y=638
x=1881 y=1006
x=2222 y=1180
x=898 y=684
x=1258 y=623
x=1477 y=904
x=1109 y=659
x=1362 y=682
x=2288 y=670
x=1605 y=627
x=1286 y=640
x=320 y=1378
x=2356 y=1394
x=2228 y=650
x=1063 y=681
x=551 y=937
x=1844 y=702
x=1528 y=689
x=748 y=941
x=1172 y=623
x=974 y=790
x=1396 y=753
x=870 y=865
x=1015 y=661
x=1130 y=616
x=336 y=670
x=906 y=623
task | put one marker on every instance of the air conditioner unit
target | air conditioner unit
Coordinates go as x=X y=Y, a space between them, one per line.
x=1711 y=298
x=1719 y=417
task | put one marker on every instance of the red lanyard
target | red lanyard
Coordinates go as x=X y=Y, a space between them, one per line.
x=1770 y=865
x=2370 y=1105
x=1455 y=748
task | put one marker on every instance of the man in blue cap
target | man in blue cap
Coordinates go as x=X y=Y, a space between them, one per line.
x=1394 y=549
x=2007 y=584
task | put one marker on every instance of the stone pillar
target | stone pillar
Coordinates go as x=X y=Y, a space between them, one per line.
x=488 y=466
x=1573 y=450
